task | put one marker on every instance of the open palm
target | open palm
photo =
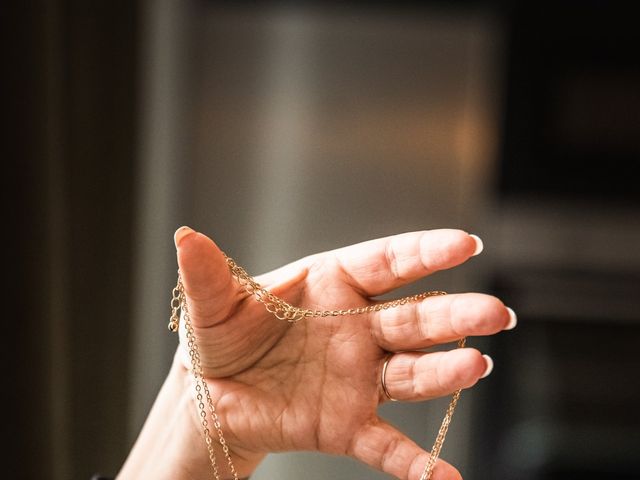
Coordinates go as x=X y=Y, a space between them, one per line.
x=316 y=385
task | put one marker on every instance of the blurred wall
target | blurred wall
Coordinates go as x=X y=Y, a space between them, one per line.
x=303 y=129
x=313 y=128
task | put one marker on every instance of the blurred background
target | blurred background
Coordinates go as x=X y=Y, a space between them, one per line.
x=283 y=129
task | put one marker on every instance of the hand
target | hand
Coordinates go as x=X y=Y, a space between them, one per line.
x=316 y=385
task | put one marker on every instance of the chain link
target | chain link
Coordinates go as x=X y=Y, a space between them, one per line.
x=292 y=314
x=285 y=311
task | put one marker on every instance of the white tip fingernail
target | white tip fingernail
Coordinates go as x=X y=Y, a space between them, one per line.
x=513 y=320
x=489 y=368
x=180 y=234
x=479 y=245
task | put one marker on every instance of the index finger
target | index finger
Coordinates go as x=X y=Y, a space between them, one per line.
x=379 y=266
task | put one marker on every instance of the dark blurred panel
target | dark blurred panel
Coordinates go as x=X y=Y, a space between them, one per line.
x=563 y=405
x=25 y=390
x=572 y=123
x=71 y=103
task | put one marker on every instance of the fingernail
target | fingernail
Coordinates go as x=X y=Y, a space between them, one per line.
x=180 y=234
x=513 y=320
x=489 y=368
x=479 y=245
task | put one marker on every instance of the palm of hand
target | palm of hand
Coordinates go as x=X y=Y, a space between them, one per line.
x=280 y=371
x=317 y=384
x=314 y=385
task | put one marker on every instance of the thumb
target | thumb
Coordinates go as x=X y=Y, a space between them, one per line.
x=230 y=336
x=206 y=277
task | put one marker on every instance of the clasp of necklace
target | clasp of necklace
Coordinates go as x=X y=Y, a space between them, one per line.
x=176 y=303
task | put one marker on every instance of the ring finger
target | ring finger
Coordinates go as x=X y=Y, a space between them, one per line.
x=417 y=376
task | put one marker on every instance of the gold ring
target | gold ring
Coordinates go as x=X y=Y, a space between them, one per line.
x=384 y=385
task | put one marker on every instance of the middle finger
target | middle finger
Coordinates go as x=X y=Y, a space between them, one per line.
x=440 y=319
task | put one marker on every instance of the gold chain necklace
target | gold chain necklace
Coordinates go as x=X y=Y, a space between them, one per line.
x=287 y=312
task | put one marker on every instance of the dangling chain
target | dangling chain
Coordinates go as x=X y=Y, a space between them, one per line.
x=283 y=311
x=179 y=302
x=442 y=432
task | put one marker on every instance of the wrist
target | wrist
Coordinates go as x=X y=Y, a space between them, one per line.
x=171 y=444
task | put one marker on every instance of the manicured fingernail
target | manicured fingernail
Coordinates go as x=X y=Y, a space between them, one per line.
x=180 y=234
x=489 y=368
x=513 y=320
x=479 y=245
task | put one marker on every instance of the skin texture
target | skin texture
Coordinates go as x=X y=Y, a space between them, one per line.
x=316 y=385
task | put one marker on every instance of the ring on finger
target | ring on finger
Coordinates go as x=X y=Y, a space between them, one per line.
x=382 y=379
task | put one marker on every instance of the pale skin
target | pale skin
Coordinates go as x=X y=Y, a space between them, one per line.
x=316 y=385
